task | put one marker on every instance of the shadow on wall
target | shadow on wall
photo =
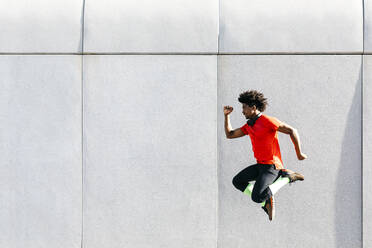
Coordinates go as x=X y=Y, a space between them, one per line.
x=348 y=201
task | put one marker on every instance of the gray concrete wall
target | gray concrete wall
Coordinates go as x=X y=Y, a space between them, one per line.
x=112 y=125
x=150 y=175
x=367 y=146
x=291 y=26
x=41 y=155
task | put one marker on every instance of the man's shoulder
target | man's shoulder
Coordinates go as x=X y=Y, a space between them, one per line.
x=271 y=120
x=268 y=117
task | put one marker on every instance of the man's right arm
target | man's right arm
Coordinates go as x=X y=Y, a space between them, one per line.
x=287 y=129
x=231 y=134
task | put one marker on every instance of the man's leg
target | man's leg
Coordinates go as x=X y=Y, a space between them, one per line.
x=267 y=175
x=248 y=191
x=268 y=182
x=242 y=179
x=280 y=182
x=261 y=192
x=287 y=176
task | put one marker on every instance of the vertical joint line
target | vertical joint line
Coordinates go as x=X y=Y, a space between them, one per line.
x=218 y=34
x=362 y=146
x=217 y=165
x=362 y=117
x=217 y=162
x=82 y=28
x=82 y=126
x=82 y=148
x=363 y=25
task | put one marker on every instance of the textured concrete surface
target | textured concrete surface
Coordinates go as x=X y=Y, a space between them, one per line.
x=157 y=168
x=40 y=26
x=147 y=26
x=150 y=151
x=291 y=26
x=321 y=97
x=367 y=148
x=40 y=133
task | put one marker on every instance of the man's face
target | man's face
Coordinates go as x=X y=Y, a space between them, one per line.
x=248 y=112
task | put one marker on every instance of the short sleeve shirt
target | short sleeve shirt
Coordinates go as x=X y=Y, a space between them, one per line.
x=264 y=138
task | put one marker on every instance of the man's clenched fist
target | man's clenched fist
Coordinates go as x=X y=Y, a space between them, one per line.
x=227 y=110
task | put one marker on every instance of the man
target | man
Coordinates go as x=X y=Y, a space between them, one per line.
x=268 y=172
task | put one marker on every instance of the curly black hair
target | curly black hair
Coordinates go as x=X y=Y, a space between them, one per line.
x=253 y=97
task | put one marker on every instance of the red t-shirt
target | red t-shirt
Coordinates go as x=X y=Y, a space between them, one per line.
x=264 y=138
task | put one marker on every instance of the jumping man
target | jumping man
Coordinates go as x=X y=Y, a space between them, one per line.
x=268 y=172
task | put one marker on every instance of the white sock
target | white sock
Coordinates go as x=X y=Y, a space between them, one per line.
x=280 y=182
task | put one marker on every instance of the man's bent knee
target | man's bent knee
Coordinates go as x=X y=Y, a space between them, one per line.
x=238 y=184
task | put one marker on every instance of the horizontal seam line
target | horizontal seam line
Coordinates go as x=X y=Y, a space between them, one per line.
x=185 y=54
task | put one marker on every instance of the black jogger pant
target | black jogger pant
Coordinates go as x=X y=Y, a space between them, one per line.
x=263 y=174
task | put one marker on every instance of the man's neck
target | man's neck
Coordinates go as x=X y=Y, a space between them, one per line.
x=256 y=114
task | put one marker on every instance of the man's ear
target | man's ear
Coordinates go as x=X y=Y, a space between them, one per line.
x=254 y=107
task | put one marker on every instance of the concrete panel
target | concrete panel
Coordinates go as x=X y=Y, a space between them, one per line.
x=150 y=136
x=40 y=151
x=367 y=26
x=367 y=155
x=291 y=26
x=166 y=26
x=321 y=97
x=40 y=26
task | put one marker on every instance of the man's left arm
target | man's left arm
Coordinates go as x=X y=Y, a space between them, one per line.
x=287 y=129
